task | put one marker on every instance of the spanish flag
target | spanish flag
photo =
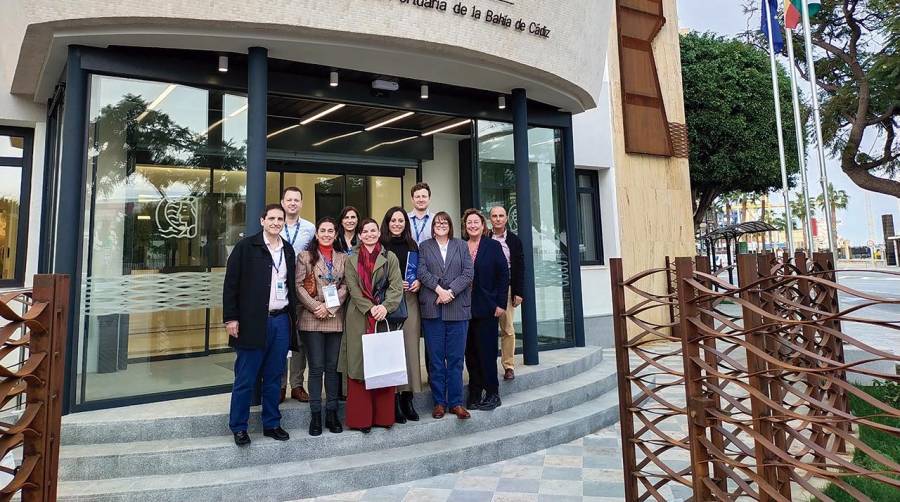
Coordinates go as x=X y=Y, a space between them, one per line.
x=793 y=8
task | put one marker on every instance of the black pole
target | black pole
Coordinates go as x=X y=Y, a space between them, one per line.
x=572 y=233
x=71 y=206
x=730 y=262
x=523 y=208
x=257 y=91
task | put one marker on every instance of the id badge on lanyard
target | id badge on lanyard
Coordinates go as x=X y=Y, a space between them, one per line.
x=280 y=290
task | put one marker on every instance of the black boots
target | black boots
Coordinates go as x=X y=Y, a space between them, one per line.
x=406 y=406
x=399 y=417
x=315 y=424
x=490 y=402
x=332 y=422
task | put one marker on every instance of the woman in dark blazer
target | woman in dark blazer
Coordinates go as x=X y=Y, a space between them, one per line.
x=445 y=272
x=489 y=297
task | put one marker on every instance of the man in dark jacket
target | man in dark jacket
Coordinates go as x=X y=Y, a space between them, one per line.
x=512 y=249
x=259 y=301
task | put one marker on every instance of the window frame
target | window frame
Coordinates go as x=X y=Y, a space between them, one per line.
x=24 y=163
x=594 y=192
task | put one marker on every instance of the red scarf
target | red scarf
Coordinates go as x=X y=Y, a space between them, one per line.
x=326 y=252
x=365 y=267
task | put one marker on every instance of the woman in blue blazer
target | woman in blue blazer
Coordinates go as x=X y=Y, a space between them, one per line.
x=445 y=272
x=489 y=297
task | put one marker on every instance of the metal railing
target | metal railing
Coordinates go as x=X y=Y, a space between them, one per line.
x=32 y=361
x=732 y=392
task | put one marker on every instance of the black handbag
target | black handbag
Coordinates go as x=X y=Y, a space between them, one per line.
x=401 y=313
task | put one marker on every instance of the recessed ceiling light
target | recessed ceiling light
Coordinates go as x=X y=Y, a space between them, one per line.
x=424 y=93
x=223 y=64
x=333 y=79
x=445 y=127
x=501 y=102
x=390 y=119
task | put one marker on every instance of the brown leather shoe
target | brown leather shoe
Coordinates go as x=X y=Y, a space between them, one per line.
x=283 y=395
x=509 y=374
x=299 y=394
x=460 y=412
x=438 y=411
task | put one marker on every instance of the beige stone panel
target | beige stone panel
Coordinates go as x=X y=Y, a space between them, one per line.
x=654 y=199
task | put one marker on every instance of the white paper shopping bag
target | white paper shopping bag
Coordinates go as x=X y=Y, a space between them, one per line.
x=384 y=359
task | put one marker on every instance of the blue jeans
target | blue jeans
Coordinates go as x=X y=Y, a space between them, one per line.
x=269 y=363
x=445 y=344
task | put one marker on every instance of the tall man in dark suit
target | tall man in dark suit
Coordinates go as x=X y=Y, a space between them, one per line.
x=259 y=301
x=512 y=249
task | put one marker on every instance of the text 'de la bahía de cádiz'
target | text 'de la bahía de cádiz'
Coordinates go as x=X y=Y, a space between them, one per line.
x=487 y=15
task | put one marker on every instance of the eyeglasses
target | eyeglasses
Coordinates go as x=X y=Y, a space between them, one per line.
x=441 y=223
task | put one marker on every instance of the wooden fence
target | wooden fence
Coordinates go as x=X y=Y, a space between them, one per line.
x=32 y=351
x=748 y=382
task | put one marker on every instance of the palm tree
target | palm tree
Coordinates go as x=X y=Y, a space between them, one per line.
x=839 y=200
x=798 y=209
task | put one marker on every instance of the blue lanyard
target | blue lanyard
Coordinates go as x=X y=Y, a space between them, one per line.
x=329 y=264
x=280 y=260
x=287 y=233
x=417 y=228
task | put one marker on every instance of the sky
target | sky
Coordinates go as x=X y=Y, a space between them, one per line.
x=857 y=222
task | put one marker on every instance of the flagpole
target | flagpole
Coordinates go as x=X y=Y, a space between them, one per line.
x=823 y=174
x=801 y=148
x=789 y=226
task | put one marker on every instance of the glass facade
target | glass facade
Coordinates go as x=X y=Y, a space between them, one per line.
x=497 y=186
x=165 y=203
x=13 y=166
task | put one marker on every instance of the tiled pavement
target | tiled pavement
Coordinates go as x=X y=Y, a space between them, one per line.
x=587 y=469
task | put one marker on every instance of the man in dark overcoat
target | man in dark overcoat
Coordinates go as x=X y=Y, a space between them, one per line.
x=259 y=308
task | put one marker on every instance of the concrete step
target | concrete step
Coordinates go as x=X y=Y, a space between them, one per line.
x=208 y=416
x=178 y=456
x=383 y=466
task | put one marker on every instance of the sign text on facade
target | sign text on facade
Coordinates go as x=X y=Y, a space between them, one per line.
x=476 y=13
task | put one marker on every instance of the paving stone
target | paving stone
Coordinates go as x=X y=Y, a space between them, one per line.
x=603 y=489
x=518 y=485
x=573 y=473
x=515 y=497
x=560 y=487
x=522 y=471
x=471 y=496
x=427 y=495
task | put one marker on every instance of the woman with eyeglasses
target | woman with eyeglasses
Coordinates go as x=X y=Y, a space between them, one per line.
x=348 y=234
x=322 y=292
x=445 y=271
x=375 y=286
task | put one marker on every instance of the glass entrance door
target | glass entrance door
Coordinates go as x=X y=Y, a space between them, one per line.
x=327 y=194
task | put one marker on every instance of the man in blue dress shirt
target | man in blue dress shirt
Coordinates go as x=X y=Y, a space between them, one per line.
x=297 y=232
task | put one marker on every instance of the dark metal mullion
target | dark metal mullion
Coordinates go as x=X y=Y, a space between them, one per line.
x=523 y=204
x=568 y=177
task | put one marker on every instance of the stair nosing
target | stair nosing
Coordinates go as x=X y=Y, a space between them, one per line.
x=77 y=433
x=602 y=404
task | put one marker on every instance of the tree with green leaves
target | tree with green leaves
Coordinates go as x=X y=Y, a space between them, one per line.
x=857 y=73
x=838 y=198
x=731 y=119
x=798 y=209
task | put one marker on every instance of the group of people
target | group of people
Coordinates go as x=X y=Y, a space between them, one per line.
x=318 y=289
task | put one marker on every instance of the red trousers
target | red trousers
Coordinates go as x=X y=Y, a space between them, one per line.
x=366 y=408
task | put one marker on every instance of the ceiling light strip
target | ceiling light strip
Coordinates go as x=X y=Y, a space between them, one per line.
x=156 y=102
x=329 y=140
x=276 y=133
x=322 y=113
x=379 y=145
x=389 y=120
x=446 y=127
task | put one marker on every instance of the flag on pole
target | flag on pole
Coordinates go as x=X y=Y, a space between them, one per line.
x=770 y=10
x=793 y=9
